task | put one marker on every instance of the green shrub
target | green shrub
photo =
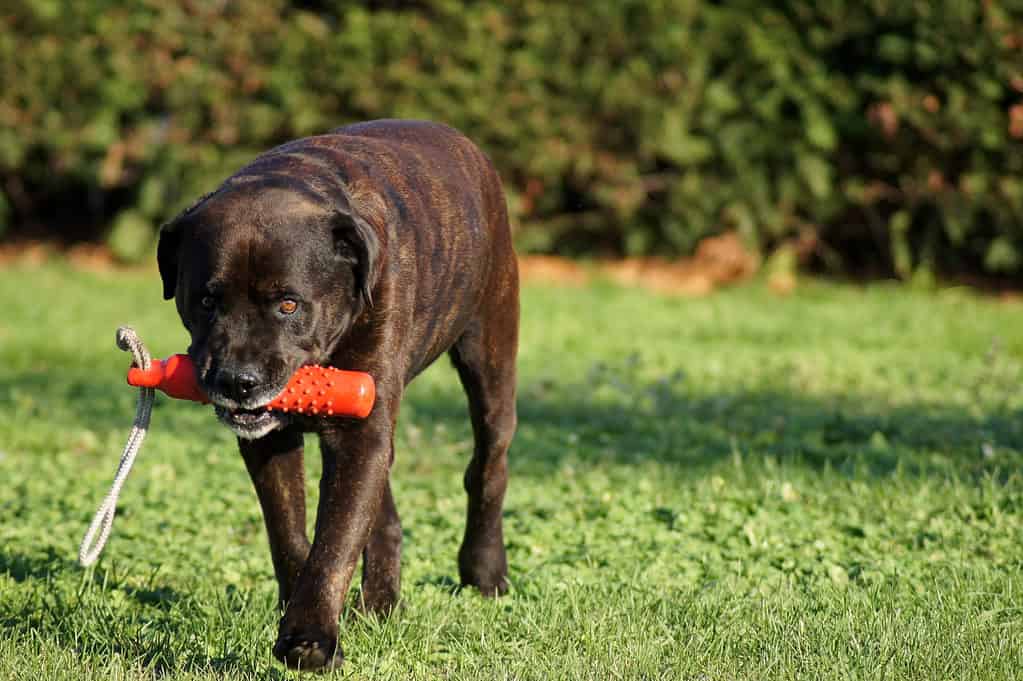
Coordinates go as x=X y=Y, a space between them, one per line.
x=888 y=134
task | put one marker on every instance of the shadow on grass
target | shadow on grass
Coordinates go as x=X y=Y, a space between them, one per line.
x=63 y=606
x=613 y=417
x=21 y=568
x=73 y=399
x=608 y=419
x=52 y=564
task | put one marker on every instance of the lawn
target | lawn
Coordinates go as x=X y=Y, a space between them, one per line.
x=742 y=486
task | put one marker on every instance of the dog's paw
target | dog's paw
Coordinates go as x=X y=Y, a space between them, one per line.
x=486 y=569
x=307 y=653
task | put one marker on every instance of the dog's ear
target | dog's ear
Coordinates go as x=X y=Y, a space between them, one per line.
x=167 y=256
x=356 y=243
x=169 y=247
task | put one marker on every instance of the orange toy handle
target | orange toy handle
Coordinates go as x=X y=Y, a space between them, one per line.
x=326 y=391
x=312 y=390
x=174 y=376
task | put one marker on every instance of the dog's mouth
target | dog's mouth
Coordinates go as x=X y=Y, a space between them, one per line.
x=244 y=417
x=249 y=423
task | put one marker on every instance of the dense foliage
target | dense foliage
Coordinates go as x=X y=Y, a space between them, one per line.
x=885 y=134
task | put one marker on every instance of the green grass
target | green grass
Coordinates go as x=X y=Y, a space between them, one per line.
x=734 y=487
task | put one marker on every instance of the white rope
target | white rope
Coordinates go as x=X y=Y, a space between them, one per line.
x=103 y=521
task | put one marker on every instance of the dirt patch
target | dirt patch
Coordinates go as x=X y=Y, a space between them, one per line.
x=719 y=261
x=84 y=256
x=551 y=268
x=25 y=253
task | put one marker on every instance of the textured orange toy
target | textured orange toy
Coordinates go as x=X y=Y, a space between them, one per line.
x=312 y=390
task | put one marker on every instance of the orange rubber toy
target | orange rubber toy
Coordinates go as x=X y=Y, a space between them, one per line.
x=312 y=390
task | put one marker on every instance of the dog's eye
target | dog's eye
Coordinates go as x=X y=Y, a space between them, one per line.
x=287 y=306
x=207 y=302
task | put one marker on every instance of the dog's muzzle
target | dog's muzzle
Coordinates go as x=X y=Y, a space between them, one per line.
x=250 y=424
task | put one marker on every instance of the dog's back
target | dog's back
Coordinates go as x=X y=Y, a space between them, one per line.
x=445 y=218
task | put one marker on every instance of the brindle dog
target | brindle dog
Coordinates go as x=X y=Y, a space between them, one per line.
x=376 y=247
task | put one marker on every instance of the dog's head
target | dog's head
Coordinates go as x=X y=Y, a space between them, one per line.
x=267 y=276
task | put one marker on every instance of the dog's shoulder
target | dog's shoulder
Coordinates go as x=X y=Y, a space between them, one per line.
x=428 y=141
x=403 y=130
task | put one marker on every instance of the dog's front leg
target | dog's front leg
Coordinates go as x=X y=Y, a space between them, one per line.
x=356 y=462
x=275 y=465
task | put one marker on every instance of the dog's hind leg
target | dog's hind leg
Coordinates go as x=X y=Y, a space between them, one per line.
x=485 y=359
x=381 y=559
x=275 y=464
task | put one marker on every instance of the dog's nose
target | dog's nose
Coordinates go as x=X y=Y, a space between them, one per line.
x=237 y=384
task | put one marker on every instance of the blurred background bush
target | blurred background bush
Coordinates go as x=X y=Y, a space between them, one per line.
x=873 y=137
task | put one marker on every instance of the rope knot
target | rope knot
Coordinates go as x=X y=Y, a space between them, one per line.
x=129 y=341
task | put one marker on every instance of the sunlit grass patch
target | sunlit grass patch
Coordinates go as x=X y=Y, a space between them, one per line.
x=738 y=486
